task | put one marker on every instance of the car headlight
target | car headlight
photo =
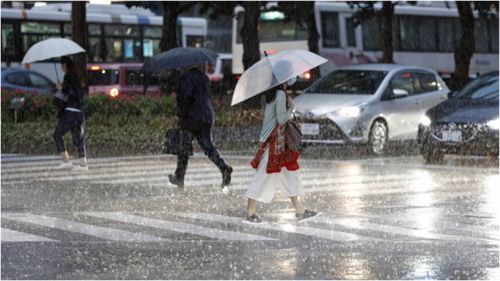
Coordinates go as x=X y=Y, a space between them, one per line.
x=425 y=120
x=350 y=111
x=494 y=124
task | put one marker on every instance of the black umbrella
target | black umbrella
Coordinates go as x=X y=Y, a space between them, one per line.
x=179 y=58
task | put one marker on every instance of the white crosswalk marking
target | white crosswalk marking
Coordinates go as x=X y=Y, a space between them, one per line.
x=177 y=226
x=345 y=179
x=92 y=230
x=17 y=236
x=309 y=231
x=355 y=223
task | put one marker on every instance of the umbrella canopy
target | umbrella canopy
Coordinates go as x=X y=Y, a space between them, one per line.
x=179 y=58
x=51 y=48
x=272 y=71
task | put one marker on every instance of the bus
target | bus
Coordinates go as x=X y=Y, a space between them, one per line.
x=424 y=34
x=116 y=34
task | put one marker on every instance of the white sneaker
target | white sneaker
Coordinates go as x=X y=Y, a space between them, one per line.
x=64 y=166
x=225 y=190
x=80 y=168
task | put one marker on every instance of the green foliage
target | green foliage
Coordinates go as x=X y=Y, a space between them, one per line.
x=125 y=125
x=40 y=108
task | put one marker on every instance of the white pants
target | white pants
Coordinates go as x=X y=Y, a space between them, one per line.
x=263 y=185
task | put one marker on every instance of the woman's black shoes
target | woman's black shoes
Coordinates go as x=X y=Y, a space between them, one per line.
x=226 y=176
x=254 y=218
x=173 y=180
x=306 y=215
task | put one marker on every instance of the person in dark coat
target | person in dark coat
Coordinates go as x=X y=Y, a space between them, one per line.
x=71 y=117
x=195 y=114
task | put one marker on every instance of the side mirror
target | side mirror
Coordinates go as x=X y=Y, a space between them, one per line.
x=400 y=93
x=451 y=94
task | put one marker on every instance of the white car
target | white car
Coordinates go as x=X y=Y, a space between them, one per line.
x=369 y=104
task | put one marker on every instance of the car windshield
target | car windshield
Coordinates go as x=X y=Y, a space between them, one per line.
x=351 y=82
x=470 y=89
x=136 y=77
x=101 y=77
x=488 y=91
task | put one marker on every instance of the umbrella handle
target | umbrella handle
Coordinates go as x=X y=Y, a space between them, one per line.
x=57 y=75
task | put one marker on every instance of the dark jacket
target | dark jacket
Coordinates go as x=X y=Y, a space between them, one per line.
x=193 y=99
x=72 y=89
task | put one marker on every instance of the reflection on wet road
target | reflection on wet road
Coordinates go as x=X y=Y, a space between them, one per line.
x=381 y=218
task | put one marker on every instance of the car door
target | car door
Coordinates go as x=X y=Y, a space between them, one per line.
x=429 y=90
x=402 y=112
x=41 y=84
x=18 y=81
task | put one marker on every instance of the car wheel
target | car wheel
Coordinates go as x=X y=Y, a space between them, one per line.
x=432 y=155
x=378 y=138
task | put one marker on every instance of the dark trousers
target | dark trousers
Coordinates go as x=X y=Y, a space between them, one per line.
x=74 y=122
x=203 y=134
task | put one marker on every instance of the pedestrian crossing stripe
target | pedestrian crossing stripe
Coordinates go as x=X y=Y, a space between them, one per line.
x=87 y=229
x=209 y=176
x=177 y=226
x=324 y=227
x=17 y=236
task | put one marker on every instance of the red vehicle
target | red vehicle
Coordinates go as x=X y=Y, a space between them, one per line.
x=117 y=79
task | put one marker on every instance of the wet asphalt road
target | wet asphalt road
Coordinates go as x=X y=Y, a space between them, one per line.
x=387 y=217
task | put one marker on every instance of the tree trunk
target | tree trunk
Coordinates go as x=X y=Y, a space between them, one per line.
x=169 y=39
x=385 y=38
x=250 y=38
x=79 y=35
x=466 y=46
x=250 y=34
x=312 y=37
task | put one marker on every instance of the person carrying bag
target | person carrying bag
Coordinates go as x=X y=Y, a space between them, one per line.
x=276 y=161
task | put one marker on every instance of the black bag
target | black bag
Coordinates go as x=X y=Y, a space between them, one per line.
x=60 y=100
x=178 y=142
x=293 y=135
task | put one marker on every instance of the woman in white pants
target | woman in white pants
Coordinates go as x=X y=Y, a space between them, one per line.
x=275 y=163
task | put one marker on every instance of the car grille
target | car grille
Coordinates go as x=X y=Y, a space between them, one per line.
x=468 y=130
x=327 y=131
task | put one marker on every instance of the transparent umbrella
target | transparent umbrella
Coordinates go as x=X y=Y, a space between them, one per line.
x=273 y=70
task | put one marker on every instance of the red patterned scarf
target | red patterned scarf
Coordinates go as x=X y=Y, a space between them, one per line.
x=279 y=155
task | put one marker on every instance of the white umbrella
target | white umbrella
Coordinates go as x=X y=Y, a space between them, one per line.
x=272 y=71
x=51 y=48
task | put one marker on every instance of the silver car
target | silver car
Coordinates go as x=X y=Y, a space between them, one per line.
x=369 y=104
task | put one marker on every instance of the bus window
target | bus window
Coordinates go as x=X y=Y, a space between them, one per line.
x=482 y=36
x=136 y=77
x=370 y=34
x=151 y=47
x=121 y=30
x=408 y=26
x=40 y=27
x=275 y=30
x=8 y=50
x=154 y=32
x=330 y=29
x=349 y=26
x=103 y=77
x=494 y=36
x=446 y=32
x=115 y=50
x=34 y=31
x=427 y=34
